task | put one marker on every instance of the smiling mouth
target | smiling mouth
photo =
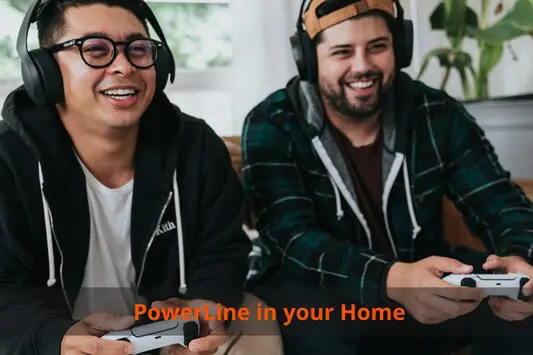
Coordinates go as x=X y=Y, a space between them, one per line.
x=120 y=94
x=363 y=84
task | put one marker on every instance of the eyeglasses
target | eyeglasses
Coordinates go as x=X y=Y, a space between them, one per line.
x=99 y=51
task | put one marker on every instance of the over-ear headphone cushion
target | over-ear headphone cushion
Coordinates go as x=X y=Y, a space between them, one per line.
x=163 y=66
x=298 y=55
x=42 y=77
x=310 y=55
x=304 y=53
x=407 y=42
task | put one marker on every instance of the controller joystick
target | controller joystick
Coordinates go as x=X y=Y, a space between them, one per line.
x=190 y=332
x=468 y=282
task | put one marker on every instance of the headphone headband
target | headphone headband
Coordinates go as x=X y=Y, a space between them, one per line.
x=40 y=72
x=29 y=18
x=155 y=24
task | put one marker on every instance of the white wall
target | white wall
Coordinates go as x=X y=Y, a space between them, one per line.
x=262 y=54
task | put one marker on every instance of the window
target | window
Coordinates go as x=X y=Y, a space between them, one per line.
x=199 y=35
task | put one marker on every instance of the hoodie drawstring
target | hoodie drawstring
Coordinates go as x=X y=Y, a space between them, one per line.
x=49 y=243
x=181 y=256
x=414 y=222
x=410 y=207
x=340 y=212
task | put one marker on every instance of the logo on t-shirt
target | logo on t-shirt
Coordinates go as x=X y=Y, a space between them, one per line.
x=165 y=227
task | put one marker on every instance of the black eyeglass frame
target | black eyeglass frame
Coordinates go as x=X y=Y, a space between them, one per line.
x=78 y=42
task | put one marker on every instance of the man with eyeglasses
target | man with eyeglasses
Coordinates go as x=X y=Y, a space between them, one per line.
x=112 y=197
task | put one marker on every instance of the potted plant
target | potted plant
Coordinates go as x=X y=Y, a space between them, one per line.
x=459 y=21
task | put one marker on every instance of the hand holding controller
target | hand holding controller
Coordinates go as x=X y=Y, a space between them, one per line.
x=156 y=335
x=505 y=285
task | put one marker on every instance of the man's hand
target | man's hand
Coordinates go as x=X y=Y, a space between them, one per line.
x=84 y=336
x=505 y=308
x=212 y=332
x=419 y=288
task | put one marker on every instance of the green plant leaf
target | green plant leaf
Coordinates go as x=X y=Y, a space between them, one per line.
x=437 y=19
x=517 y=22
x=471 y=18
x=464 y=81
x=490 y=56
x=453 y=17
x=499 y=33
x=463 y=59
x=526 y=29
x=472 y=71
x=463 y=62
x=456 y=16
x=441 y=54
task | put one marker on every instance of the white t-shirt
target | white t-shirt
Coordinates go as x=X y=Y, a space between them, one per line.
x=109 y=281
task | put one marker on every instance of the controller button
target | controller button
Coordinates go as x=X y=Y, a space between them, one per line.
x=191 y=331
x=521 y=295
x=468 y=282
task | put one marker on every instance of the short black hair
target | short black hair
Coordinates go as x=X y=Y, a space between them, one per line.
x=51 y=20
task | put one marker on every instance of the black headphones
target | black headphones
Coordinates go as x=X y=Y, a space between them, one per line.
x=41 y=75
x=304 y=51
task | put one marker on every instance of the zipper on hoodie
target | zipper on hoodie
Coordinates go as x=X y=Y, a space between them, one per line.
x=180 y=132
x=152 y=239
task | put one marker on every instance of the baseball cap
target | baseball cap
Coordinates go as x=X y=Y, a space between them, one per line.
x=315 y=23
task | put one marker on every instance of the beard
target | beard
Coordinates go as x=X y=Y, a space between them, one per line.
x=354 y=108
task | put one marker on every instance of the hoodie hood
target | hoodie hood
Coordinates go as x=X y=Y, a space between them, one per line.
x=307 y=102
x=42 y=131
x=36 y=126
x=396 y=115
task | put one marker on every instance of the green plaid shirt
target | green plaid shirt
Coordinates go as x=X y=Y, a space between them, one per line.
x=307 y=216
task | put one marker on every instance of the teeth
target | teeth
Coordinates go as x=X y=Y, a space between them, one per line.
x=120 y=92
x=362 y=84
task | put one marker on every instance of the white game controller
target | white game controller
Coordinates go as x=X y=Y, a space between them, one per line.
x=158 y=334
x=504 y=285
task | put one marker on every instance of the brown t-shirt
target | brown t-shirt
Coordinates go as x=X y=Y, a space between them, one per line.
x=365 y=167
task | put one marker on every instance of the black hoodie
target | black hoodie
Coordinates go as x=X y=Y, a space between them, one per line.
x=35 y=311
